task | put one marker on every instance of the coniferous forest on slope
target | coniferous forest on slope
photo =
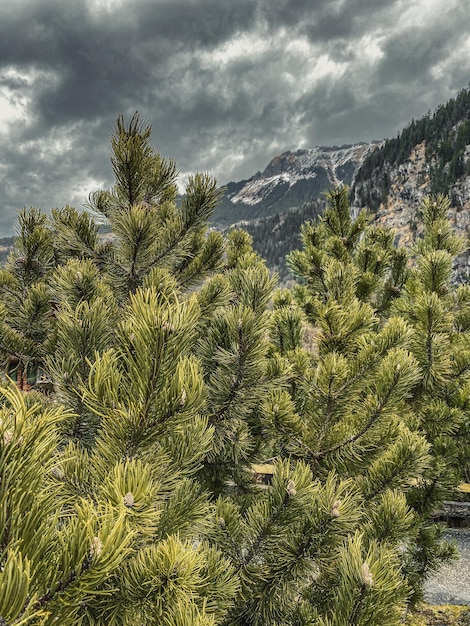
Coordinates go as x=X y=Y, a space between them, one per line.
x=446 y=134
x=204 y=448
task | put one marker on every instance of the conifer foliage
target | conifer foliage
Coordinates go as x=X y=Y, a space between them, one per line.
x=386 y=398
x=103 y=518
x=128 y=491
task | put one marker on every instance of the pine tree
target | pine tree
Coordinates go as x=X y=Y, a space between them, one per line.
x=109 y=480
x=141 y=419
x=125 y=517
x=26 y=320
x=383 y=398
x=438 y=314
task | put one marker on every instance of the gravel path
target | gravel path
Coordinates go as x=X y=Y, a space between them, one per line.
x=451 y=585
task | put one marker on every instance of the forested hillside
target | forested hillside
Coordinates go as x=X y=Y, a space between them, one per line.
x=274 y=237
x=445 y=135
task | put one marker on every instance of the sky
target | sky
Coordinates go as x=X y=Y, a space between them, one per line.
x=225 y=84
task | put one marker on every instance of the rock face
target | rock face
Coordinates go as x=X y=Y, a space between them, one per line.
x=290 y=180
x=407 y=184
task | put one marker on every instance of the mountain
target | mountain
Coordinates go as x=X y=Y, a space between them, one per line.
x=430 y=155
x=290 y=180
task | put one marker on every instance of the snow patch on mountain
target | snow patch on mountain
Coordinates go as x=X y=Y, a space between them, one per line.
x=336 y=164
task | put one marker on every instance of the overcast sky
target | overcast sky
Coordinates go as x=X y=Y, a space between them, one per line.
x=226 y=84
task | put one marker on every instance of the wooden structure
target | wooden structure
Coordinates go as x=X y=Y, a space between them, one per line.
x=28 y=377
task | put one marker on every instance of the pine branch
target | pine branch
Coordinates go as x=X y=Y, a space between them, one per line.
x=357 y=607
x=61 y=586
x=132 y=275
x=264 y=533
x=18 y=355
x=374 y=417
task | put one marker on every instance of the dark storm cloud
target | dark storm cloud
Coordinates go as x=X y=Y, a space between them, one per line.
x=320 y=21
x=226 y=84
x=101 y=65
x=421 y=65
x=411 y=53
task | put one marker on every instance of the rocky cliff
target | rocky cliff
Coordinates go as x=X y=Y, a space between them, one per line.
x=407 y=183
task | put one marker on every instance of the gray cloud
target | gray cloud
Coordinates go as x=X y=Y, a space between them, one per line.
x=226 y=85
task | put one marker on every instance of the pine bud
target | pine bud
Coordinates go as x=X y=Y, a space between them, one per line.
x=96 y=547
x=366 y=575
x=7 y=437
x=58 y=473
x=276 y=408
x=335 y=508
x=167 y=327
x=291 y=490
x=221 y=522
x=240 y=323
x=78 y=277
x=129 y=500
x=183 y=397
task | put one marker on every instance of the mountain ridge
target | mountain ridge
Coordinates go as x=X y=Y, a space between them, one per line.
x=290 y=180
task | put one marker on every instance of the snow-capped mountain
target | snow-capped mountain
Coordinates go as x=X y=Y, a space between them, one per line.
x=431 y=155
x=291 y=179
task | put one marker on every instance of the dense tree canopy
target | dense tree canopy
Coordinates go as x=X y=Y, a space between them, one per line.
x=205 y=449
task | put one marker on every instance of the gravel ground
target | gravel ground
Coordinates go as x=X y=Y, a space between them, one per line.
x=451 y=585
